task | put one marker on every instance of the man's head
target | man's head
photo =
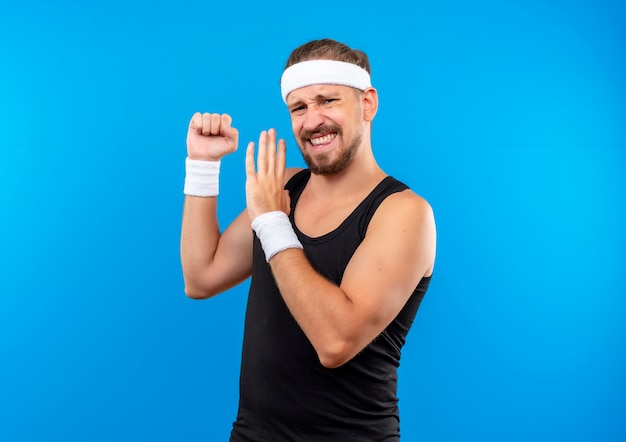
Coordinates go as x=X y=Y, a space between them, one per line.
x=315 y=65
x=326 y=86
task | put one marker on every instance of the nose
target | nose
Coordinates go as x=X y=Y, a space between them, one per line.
x=312 y=119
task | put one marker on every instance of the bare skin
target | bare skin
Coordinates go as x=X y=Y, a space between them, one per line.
x=398 y=250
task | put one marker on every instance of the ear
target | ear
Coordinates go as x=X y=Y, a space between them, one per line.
x=370 y=103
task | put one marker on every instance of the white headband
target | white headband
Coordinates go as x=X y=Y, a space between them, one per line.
x=311 y=72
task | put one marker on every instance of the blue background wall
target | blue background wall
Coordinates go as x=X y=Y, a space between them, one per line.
x=509 y=117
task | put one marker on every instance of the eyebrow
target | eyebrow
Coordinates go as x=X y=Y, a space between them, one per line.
x=318 y=97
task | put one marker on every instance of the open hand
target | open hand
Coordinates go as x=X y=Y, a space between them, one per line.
x=265 y=182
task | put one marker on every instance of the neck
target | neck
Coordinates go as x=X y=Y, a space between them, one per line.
x=362 y=173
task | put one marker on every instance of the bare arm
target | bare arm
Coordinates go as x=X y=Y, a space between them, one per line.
x=212 y=262
x=340 y=321
x=398 y=250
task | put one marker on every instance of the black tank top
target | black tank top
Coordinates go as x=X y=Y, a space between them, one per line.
x=285 y=393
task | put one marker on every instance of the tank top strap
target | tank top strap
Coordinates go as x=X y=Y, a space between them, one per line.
x=296 y=185
x=365 y=211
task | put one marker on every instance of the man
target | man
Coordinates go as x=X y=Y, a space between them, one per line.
x=340 y=260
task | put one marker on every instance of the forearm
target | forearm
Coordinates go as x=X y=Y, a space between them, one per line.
x=199 y=238
x=323 y=310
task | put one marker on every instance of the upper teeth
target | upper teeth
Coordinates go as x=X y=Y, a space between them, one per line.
x=322 y=140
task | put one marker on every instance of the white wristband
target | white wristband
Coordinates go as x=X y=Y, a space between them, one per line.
x=275 y=233
x=202 y=178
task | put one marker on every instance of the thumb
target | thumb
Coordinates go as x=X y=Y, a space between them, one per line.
x=232 y=136
x=287 y=202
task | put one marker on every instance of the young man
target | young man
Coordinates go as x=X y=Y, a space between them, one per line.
x=340 y=260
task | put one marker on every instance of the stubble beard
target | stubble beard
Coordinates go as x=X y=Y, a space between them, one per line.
x=325 y=164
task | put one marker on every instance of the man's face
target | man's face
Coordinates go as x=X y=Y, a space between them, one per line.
x=327 y=124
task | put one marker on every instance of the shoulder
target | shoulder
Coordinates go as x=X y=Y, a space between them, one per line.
x=406 y=221
x=404 y=211
x=405 y=202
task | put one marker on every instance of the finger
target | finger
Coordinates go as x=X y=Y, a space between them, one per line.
x=195 y=124
x=261 y=161
x=225 y=123
x=206 y=123
x=281 y=161
x=216 y=120
x=271 y=151
x=250 y=172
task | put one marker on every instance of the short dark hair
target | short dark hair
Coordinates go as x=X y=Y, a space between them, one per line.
x=327 y=49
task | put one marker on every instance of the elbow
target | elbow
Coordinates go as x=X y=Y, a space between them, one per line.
x=194 y=294
x=330 y=362
x=197 y=292
x=197 y=286
x=336 y=355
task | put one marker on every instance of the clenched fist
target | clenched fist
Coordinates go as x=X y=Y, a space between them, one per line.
x=211 y=137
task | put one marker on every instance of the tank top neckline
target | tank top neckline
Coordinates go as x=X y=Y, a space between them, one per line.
x=353 y=216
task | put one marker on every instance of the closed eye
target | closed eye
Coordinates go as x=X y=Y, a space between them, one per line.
x=297 y=109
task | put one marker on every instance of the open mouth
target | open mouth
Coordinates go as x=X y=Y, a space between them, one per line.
x=322 y=140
